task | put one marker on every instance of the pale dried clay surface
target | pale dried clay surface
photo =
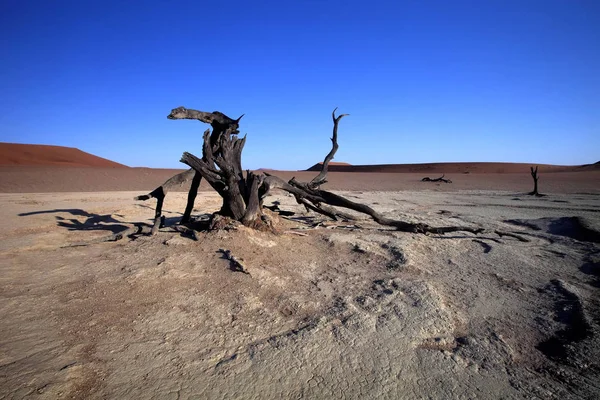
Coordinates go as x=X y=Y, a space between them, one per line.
x=324 y=310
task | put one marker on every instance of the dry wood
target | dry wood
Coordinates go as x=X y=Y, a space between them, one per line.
x=243 y=194
x=320 y=179
x=314 y=198
x=440 y=179
x=253 y=205
x=237 y=264
x=221 y=124
x=534 y=175
x=187 y=231
x=160 y=192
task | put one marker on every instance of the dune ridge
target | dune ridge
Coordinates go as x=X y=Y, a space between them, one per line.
x=18 y=154
x=455 y=167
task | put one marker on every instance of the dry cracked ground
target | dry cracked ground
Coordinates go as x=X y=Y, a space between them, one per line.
x=323 y=310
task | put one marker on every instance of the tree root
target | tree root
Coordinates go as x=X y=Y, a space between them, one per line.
x=192 y=233
x=237 y=264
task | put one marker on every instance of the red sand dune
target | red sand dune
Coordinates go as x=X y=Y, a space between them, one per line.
x=39 y=154
x=317 y=166
x=454 y=168
x=26 y=169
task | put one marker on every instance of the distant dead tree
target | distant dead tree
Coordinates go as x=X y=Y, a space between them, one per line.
x=534 y=175
x=243 y=193
x=440 y=179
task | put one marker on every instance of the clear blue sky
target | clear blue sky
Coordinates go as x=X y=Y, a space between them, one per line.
x=424 y=81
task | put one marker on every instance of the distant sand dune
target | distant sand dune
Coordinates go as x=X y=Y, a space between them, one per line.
x=455 y=168
x=40 y=168
x=38 y=154
x=317 y=166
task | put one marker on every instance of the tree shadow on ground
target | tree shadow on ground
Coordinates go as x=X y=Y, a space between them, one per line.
x=164 y=211
x=92 y=222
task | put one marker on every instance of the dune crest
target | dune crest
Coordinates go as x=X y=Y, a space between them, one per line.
x=455 y=168
x=38 y=154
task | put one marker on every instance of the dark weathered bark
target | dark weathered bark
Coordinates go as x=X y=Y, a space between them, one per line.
x=314 y=198
x=228 y=179
x=440 y=179
x=320 y=179
x=236 y=264
x=243 y=194
x=221 y=166
x=321 y=208
x=191 y=198
x=160 y=192
x=220 y=123
x=534 y=175
x=253 y=214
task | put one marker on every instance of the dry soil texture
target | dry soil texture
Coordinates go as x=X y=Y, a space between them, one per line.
x=323 y=310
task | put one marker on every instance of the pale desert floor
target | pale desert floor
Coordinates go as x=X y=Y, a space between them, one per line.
x=349 y=310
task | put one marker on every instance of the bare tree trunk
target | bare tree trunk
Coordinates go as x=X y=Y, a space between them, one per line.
x=220 y=123
x=440 y=179
x=191 y=198
x=534 y=175
x=253 y=214
x=221 y=166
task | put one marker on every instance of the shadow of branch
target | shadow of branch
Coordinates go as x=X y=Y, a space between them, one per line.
x=92 y=222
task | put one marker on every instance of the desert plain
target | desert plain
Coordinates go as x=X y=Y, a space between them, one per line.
x=321 y=310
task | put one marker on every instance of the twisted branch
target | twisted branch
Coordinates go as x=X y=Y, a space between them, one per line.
x=320 y=179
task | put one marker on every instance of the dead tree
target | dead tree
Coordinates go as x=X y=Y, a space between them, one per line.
x=440 y=179
x=242 y=194
x=220 y=124
x=534 y=175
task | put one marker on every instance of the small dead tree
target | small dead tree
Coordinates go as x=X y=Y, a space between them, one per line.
x=242 y=194
x=534 y=175
x=440 y=179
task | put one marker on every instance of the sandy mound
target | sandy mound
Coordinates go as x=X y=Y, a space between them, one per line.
x=38 y=154
x=574 y=227
x=318 y=166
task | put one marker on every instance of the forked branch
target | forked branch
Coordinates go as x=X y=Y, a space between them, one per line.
x=319 y=200
x=321 y=178
x=534 y=175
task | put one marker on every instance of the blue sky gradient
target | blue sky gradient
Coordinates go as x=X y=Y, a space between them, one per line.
x=424 y=81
